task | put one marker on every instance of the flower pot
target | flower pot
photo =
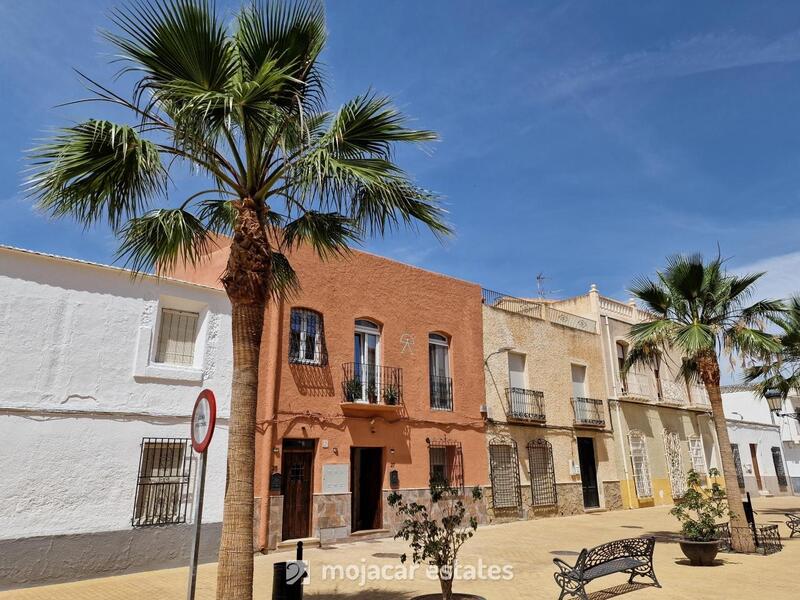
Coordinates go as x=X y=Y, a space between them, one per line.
x=700 y=554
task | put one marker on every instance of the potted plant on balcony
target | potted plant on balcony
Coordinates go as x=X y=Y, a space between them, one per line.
x=437 y=541
x=698 y=511
x=372 y=392
x=391 y=394
x=353 y=389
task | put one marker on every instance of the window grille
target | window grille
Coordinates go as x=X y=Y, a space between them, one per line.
x=737 y=461
x=672 y=452
x=641 y=466
x=162 y=487
x=698 y=454
x=307 y=338
x=441 y=384
x=777 y=460
x=504 y=474
x=446 y=464
x=176 y=337
x=542 y=471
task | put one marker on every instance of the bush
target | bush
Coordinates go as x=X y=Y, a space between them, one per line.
x=700 y=508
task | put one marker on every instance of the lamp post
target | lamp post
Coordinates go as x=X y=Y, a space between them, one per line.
x=775 y=400
x=498 y=351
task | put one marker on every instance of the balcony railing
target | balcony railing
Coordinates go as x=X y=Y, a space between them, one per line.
x=373 y=384
x=441 y=393
x=525 y=405
x=508 y=303
x=639 y=385
x=589 y=411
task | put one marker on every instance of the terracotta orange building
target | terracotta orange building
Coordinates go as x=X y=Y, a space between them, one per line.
x=372 y=380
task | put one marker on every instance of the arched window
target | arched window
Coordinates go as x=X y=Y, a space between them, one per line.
x=439 y=369
x=622 y=354
x=641 y=464
x=306 y=337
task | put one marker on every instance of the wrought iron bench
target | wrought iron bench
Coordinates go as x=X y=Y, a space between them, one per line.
x=793 y=523
x=633 y=555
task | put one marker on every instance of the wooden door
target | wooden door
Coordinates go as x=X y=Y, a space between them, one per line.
x=756 y=470
x=297 y=472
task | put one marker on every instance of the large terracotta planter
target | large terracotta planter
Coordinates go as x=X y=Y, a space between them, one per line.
x=700 y=554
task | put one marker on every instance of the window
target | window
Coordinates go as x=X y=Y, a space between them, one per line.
x=366 y=360
x=698 y=454
x=737 y=461
x=439 y=366
x=672 y=453
x=780 y=472
x=578 y=381
x=446 y=464
x=176 y=337
x=641 y=466
x=307 y=338
x=542 y=471
x=622 y=354
x=504 y=474
x=162 y=487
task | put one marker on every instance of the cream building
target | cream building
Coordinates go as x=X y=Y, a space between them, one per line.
x=549 y=432
x=662 y=425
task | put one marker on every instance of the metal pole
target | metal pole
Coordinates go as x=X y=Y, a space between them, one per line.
x=198 y=517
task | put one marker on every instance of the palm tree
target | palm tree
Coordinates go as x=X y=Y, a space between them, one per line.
x=242 y=104
x=700 y=311
x=781 y=371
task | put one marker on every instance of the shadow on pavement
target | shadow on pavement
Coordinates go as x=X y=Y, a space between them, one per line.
x=617 y=590
x=365 y=594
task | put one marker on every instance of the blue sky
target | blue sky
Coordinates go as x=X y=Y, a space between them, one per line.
x=583 y=140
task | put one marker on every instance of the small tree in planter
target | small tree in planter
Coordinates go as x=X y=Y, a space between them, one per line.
x=698 y=512
x=435 y=541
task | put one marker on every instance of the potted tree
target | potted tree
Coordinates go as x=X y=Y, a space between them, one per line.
x=437 y=541
x=353 y=389
x=391 y=394
x=698 y=512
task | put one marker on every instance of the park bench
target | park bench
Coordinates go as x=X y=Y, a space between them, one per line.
x=793 y=523
x=633 y=555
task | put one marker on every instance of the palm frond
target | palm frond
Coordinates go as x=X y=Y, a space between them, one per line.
x=219 y=216
x=162 y=239
x=95 y=171
x=284 y=283
x=329 y=234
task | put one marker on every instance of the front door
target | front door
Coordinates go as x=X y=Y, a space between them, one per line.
x=366 y=486
x=297 y=468
x=591 y=496
x=756 y=470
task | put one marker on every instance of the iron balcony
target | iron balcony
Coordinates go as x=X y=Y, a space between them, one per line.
x=588 y=412
x=372 y=384
x=525 y=405
x=441 y=393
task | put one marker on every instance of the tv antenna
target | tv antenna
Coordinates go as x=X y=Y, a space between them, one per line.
x=540 y=279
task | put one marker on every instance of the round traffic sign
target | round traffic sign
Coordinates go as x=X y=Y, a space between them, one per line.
x=204 y=417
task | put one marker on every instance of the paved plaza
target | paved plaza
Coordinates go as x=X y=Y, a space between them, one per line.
x=528 y=547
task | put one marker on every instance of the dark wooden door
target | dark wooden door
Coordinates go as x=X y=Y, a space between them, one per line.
x=366 y=483
x=297 y=471
x=756 y=470
x=591 y=495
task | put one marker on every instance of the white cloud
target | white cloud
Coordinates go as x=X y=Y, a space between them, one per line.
x=782 y=277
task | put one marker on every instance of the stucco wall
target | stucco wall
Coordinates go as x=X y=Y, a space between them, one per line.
x=74 y=409
x=744 y=433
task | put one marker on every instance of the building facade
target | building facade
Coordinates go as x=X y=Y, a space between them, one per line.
x=663 y=424
x=757 y=440
x=371 y=382
x=100 y=373
x=549 y=436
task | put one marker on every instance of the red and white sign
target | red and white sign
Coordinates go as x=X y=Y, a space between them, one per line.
x=204 y=417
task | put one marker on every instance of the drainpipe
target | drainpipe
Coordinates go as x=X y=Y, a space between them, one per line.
x=615 y=384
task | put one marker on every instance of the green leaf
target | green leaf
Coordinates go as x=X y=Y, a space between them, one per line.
x=95 y=171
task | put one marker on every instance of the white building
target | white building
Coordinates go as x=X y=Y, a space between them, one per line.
x=98 y=377
x=757 y=444
x=790 y=435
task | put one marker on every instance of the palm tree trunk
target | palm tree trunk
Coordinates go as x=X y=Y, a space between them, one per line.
x=246 y=281
x=709 y=370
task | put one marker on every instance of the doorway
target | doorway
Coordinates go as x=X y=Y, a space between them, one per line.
x=586 y=458
x=756 y=470
x=366 y=486
x=297 y=466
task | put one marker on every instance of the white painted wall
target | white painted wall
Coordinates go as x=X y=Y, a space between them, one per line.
x=78 y=390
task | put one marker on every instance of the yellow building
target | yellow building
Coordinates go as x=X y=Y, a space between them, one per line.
x=662 y=425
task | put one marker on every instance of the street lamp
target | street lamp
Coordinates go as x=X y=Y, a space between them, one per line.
x=775 y=400
x=498 y=351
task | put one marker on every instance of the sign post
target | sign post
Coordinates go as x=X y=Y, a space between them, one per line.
x=204 y=418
